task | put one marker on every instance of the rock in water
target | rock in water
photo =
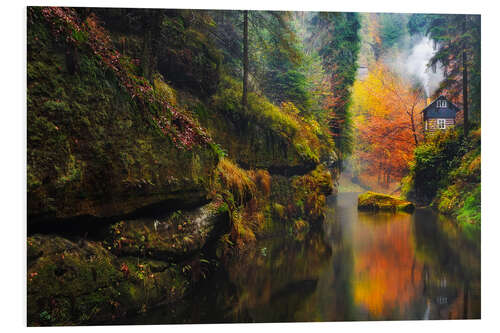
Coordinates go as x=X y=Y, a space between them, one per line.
x=372 y=201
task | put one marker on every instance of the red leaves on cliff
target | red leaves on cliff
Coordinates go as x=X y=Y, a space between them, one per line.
x=65 y=23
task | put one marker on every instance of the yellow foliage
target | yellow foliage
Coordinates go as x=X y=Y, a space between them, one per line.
x=476 y=134
x=279 y=210
x=262 y=179
x=386 y=111
x=236 y=179
x=383 y=93
x=300 y=225
x=289 y=107
x=241 y=232
x=246 y=210
x=475 y=165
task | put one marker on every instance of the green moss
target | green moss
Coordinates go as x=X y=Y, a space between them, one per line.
x=94 y=150
x=448 y=200
x=264 y=136
x=446 y=173
x=377 y=201
x=163 y=90
x=76 y=283
x=299 y=198
x=223 y=208
x=470 y=213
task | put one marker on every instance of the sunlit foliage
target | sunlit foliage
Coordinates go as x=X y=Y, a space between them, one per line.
x=386 y=110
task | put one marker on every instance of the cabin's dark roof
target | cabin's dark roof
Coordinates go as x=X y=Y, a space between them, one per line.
x=432 y=111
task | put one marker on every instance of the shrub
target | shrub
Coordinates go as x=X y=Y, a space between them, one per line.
x=236 y=180
x=470 y=213
x=446 y=172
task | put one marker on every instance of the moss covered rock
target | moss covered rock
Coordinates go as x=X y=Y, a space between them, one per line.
x=299 y=198
x=376 y=201
x=76 y=282
x=175 y=236
x=264 y=136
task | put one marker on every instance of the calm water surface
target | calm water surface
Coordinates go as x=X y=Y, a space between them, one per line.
x=360 y=266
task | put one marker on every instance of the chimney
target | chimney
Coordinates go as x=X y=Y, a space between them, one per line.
x=428 y=101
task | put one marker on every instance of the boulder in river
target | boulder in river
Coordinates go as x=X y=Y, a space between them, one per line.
x=372 y=201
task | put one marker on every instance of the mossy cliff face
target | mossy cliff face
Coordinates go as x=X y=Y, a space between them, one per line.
x=264 y=136
x=103 y=141
x=93 y=149
x=300 y=201
x=261 y=205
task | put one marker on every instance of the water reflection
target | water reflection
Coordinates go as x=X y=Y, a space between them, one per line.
x=387 y=275
x=360 y=266
x=452 y=267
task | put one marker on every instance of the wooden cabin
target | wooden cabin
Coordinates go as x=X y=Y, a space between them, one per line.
x=441 y=114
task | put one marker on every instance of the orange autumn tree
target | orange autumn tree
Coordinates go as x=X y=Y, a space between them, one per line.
x=386 y=110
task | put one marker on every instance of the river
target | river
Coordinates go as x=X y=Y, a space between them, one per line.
x=358 y=266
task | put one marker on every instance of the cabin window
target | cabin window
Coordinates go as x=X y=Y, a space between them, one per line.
x=441 y=103
x=426 y=123
x=441 y=124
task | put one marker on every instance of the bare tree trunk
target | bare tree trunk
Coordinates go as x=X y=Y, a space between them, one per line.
x=465 y=95
x=146 y=55
x=244 y=98
x=414 y=129
x=152 y=31
x=379 y=172
x=72 y=59
x=465 y=84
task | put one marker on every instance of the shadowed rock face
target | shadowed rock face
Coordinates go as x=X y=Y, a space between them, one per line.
x=79 y=282
x=377 y=201
x=143 y=263
x=175 y=236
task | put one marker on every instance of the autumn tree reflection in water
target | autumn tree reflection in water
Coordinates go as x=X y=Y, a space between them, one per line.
x=387 y=275
x=358 y=266
x=416 y=266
